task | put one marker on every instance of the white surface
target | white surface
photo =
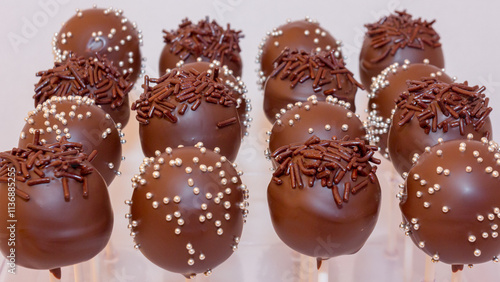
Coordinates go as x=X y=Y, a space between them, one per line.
x=470 y=41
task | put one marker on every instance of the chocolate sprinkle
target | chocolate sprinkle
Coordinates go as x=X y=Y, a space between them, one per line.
x=460 y=103
x=330 y=162
x=206 y=39
x=180 y=87
x=96 y=78
x=63 y=156
x=400 y=30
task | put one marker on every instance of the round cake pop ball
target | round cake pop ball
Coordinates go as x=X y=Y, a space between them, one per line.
x=185 y=107
x=396 y=38
x=323 y=119
x=94 y=77
x=324 y=197
x=299 y=74
x=450 y=202
x=78 y=120
x=304 y=34
x=103 y=31
x=233 y=83
x=188 y=209
x=62 y=206
x=385 y=90
x=431 y=110
x=206 y=40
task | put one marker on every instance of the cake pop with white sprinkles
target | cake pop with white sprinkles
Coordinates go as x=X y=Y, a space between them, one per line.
x=323 y=119
x=105 y=31
x=78 y=119
x=304 y=34
x=188 y=209
x=450 y=202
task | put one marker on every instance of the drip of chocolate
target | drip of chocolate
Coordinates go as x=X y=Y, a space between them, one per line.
x=431 y=110
x=298 y=74
x=94 y=77
x=324 y=196
x=396 y=38
x=206 y=39
x=186 y=107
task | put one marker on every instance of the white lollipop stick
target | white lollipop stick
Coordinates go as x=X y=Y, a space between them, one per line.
x=430 y=269
x=408 y=260
x=52 y=278
x=77 y=271
x=323 y=272
x=394 y=216
x=94 y=269
x=456 y=276
x=312 y=269
x=303 y=268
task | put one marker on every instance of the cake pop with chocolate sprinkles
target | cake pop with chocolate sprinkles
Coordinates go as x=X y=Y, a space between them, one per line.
x=78 y=119
x=431 y=110
x=299 y=74
x=233 y=83
x=184 y=107
x=450 y=202
x=323 y=119
x=324 y=196
x=188 y=209
x=62 y=213
x=396 y=38
x=94 y=77
x=105 y=31
x=384 y=92
x=206 y=40
x=304 y=34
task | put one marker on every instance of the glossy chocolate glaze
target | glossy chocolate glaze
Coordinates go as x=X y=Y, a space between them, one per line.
x=323 y=220
x=450 y=202
x=385 y=90
x=408 y=137
x=216 y=43
x=105 y=31
x=80 y=120
x=396 y=38
x=54 y=227
x=304 y=34
x=187 y=210
x=292 y=80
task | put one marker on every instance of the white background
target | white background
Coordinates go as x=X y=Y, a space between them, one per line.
x=470 y=40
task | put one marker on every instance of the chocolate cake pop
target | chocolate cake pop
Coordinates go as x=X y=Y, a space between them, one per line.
x=105 y=31
x=188 y=209
x=206 y=40
x=233 y=83
x=94 y=77
x=299 y=74
x=185 y=107
x=59 y=208
x=323 y=119
x=450 y=202
x=396 y=38
x=324 y=197
x=304 y=34
x=79 y=120
x=431 y=110
x=385 y=90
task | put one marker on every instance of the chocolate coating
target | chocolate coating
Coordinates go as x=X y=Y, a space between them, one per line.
x=95 y=77
x=206 y=40
x=187 y=210
x=385 y=90
x=335 y=214
x=80 y=120
x=55 y=227
x=203 y=109
x=396 y=38
x=323 y=119
x=304 y=34
x=233 y=83
x=420 y=121
x=299 y=74
x=105 y=31
x=450 y=202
